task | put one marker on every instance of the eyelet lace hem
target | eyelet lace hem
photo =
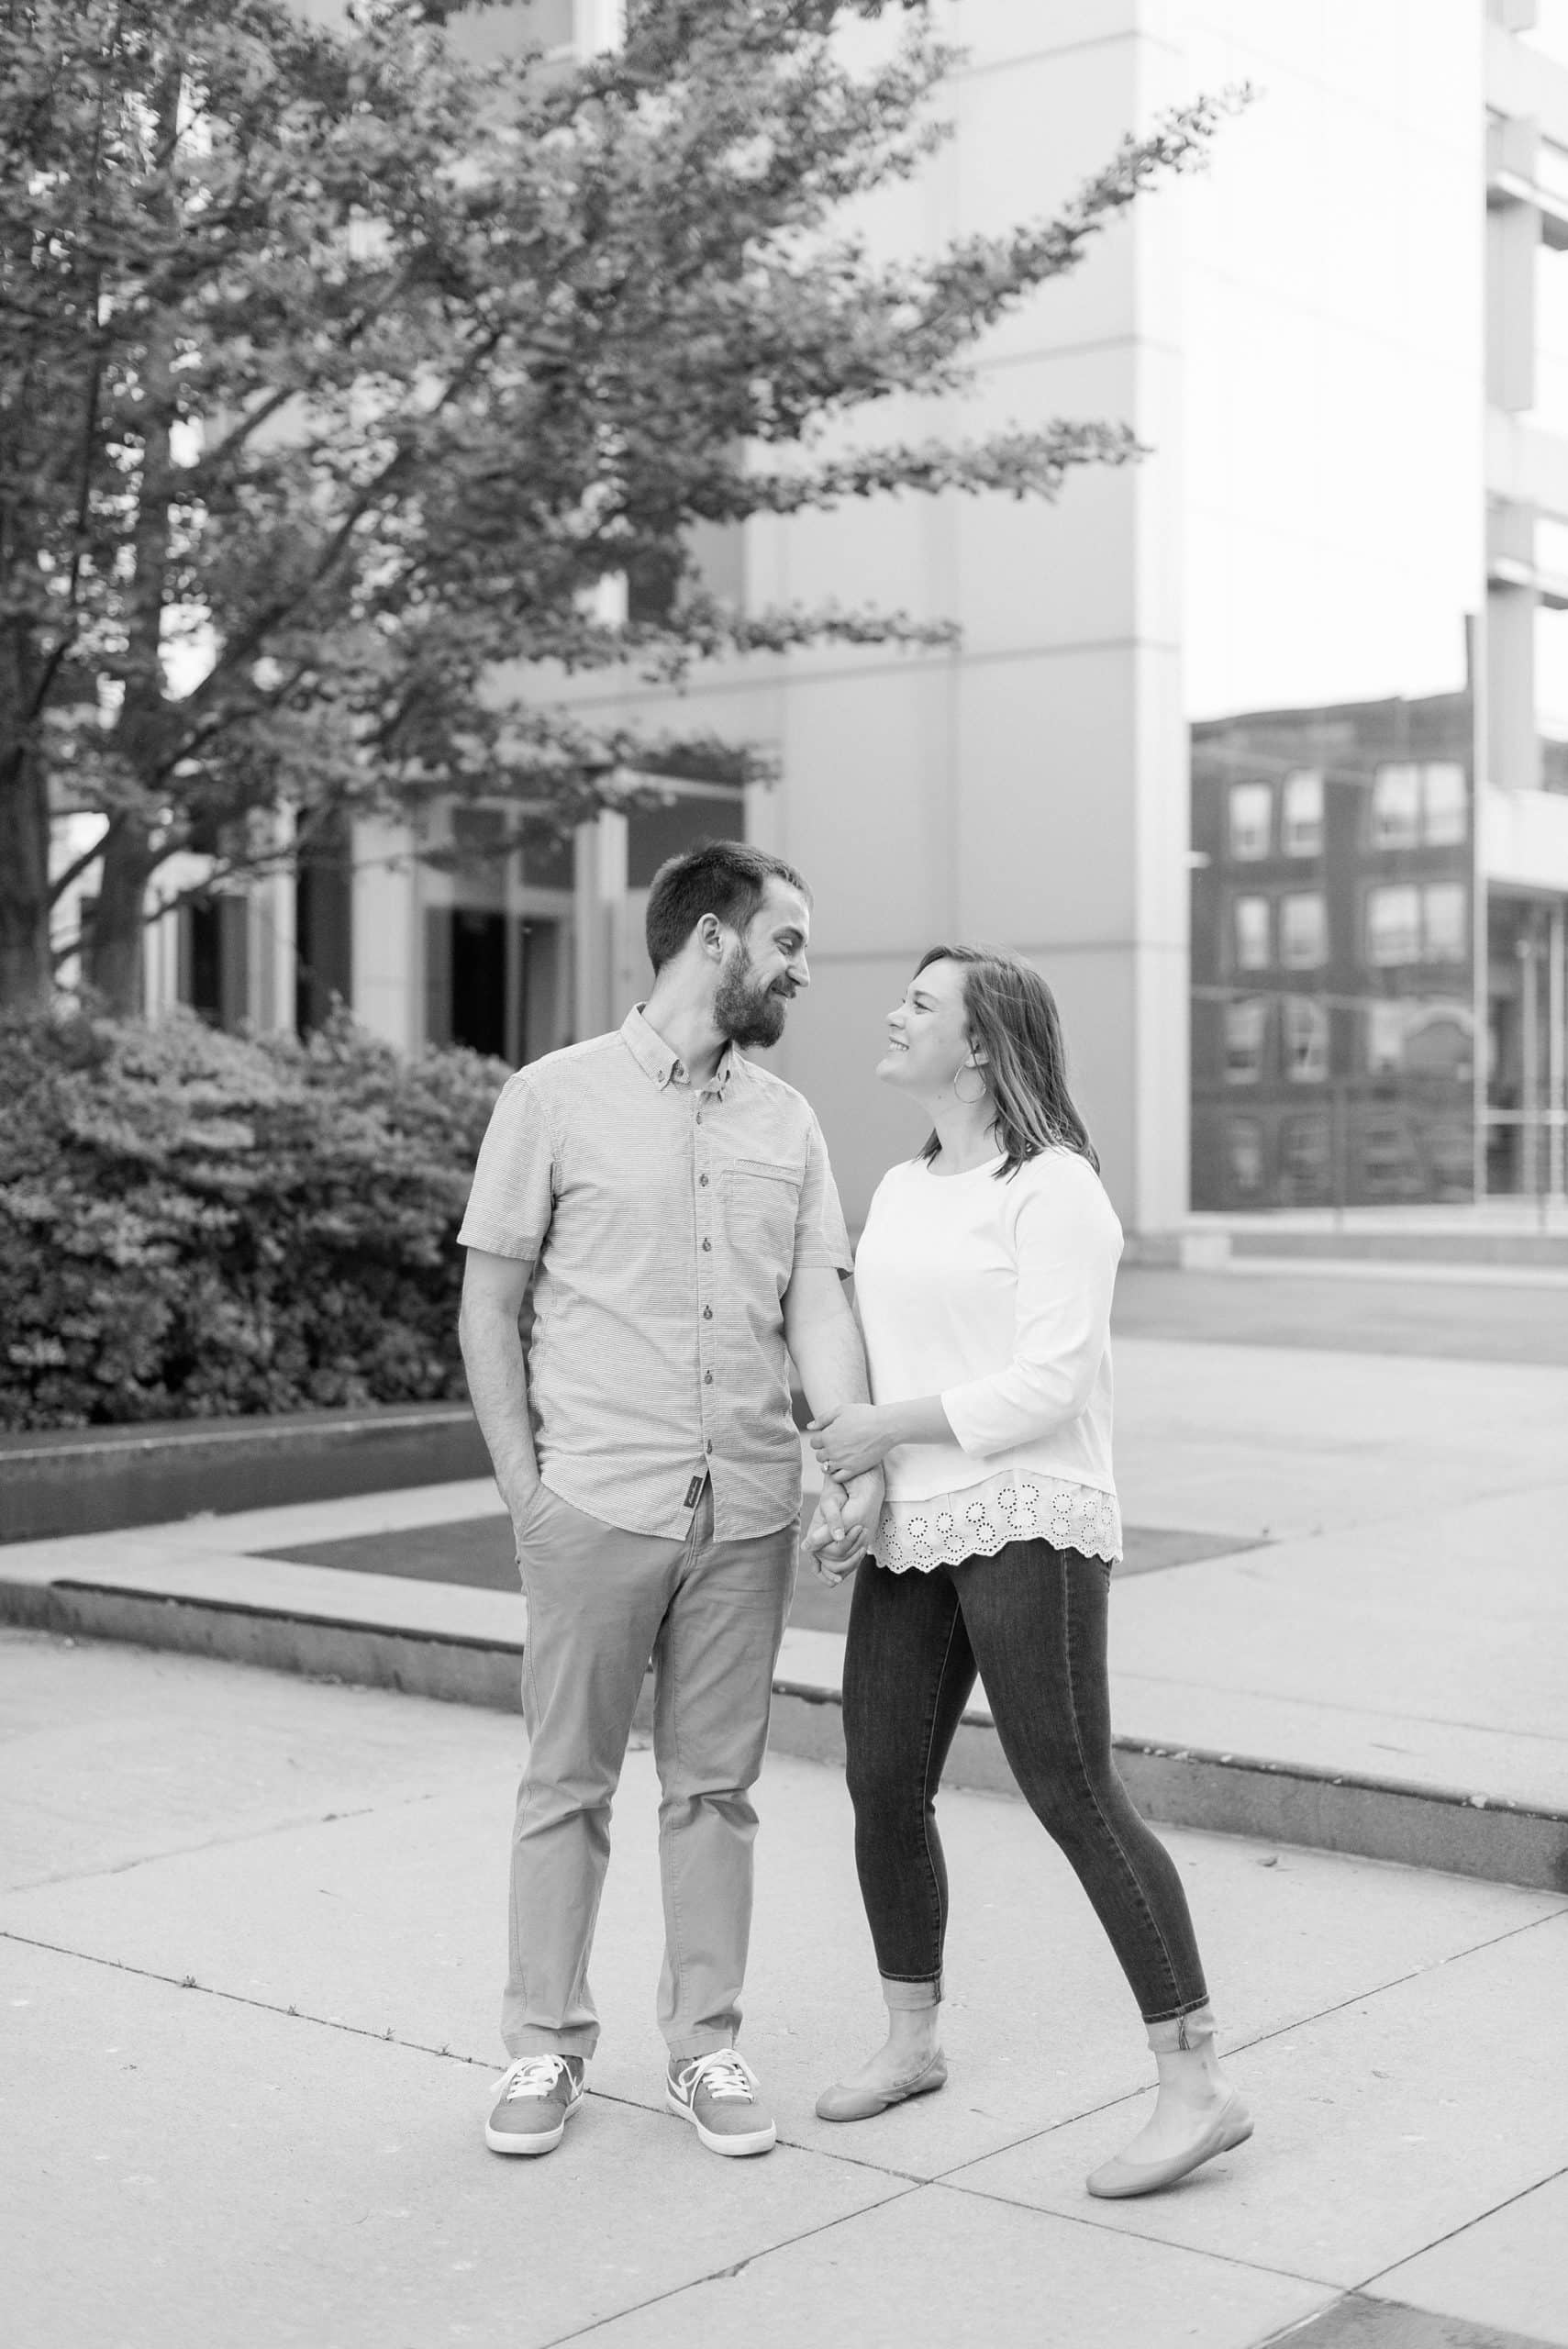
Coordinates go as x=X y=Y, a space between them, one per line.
x=916 y=1536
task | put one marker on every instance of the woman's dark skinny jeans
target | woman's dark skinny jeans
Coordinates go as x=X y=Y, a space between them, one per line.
x=1032 y=1621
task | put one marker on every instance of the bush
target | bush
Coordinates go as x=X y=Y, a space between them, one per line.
x=194 y=1225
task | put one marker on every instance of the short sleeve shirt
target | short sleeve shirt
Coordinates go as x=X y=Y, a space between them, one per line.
x=667 y=1223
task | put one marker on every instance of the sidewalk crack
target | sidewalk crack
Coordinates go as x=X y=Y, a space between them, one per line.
x=240 y=1999
x=1262 y=2039
x=1463 y=2228
x=217 y=1843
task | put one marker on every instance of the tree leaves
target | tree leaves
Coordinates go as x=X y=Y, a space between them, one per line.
x=336 y=375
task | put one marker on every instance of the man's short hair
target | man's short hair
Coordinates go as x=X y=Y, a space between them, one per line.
x=722 y=877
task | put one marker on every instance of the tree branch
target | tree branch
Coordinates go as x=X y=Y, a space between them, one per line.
x=75 y=869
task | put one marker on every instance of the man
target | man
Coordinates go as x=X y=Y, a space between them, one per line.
x=677 y=1204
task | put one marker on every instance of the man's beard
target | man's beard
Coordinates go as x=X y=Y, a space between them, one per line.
x=744 y=1012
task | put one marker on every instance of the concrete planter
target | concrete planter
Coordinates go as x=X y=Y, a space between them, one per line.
x=88 y=1480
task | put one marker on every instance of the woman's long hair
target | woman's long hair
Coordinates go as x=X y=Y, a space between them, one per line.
x=1012 y=1018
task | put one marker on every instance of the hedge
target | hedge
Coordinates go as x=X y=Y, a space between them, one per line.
x=194 y=1225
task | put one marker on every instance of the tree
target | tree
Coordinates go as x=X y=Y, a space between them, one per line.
x=335 y=372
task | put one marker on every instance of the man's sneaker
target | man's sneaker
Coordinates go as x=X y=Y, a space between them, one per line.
x=534 y=2098
x=720 y=2096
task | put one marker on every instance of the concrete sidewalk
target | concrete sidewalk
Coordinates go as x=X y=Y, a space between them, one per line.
x=252 y=1930
x=1350 y=1630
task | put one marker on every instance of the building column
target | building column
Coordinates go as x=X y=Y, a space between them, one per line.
x=271 y=961
x=1556 y=1046
x=1513 y=744
x=388 y=946
x=599 y=929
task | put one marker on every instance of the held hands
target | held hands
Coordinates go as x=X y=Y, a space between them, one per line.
x=852 y=1440
x=846 y=1520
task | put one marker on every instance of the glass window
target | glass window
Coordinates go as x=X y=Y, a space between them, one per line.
x=1246 y=1036
x=1391 y=1165
x=1385 y=1025
x=1444 y=921
x=1397 y=806
x=1444 y=811
x=1420 y=1038
x=1302 y=826
x=1305 y=1040
x=1394 y=925
x=480 y=835
x=1245 y=1150
x=657 y=833
x=1303 y=930
x=549 y=862
x=1254 y=944
x=1306 y=1152
x=1440 y=1042
x=1251 y=820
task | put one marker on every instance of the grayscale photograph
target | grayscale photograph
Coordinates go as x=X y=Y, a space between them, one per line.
x=784 y=1174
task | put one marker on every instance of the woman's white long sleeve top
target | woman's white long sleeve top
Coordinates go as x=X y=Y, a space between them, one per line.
x=996 y=1296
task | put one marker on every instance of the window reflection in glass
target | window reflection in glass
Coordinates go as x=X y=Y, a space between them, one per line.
x=1420 y=1037
x=1246 y=1036
x=1392 y=925
x=1306 y=1157
x=1331 y=582
x=1444 y=806
x=1254 y=946
x=1301 y=829
x=1251 y=820
x=1305 y=1040
x=1245 y=1150
x=1444 y=922
x=1397 y=806
x=1303 y=930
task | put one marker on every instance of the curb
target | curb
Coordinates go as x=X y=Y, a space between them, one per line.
x=1224 y=1794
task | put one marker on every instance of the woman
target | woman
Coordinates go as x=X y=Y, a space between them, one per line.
x=983 y=1286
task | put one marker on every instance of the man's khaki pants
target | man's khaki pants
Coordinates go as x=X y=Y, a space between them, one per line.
x=711 y=1614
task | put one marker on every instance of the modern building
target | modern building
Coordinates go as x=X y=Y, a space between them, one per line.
x=1259 y=748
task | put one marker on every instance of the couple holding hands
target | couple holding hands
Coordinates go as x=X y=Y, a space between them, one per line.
x=673 y=1205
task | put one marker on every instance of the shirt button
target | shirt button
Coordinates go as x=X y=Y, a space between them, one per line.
x=708 y=1245
x=699 y=1116
x=709 y=1445
x=703 y=1181
x=707 y=1313
x=708 y=1378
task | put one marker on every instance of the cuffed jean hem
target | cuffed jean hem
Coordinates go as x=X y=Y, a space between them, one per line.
x=534 y=2039
x=1185 y=2030
x=910 y=1997
x=700 y=2043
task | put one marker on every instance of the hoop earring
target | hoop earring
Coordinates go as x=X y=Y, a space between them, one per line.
x=969 y=1100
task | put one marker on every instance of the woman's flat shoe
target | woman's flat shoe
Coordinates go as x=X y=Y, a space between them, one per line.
x=1116 y=2180
x=864 y=2104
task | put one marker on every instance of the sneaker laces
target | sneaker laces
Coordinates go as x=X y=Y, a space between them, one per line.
x=724 y=2074
x=529 y=2076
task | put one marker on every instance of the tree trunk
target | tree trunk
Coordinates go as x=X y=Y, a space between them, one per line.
x=114 y=952
x=26 y=976
x=141 y=734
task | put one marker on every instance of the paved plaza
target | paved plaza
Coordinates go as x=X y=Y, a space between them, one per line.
x=252 y=1935
x=251 y=1924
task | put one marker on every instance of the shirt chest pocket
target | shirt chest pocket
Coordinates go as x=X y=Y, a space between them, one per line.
x=761 y=1202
